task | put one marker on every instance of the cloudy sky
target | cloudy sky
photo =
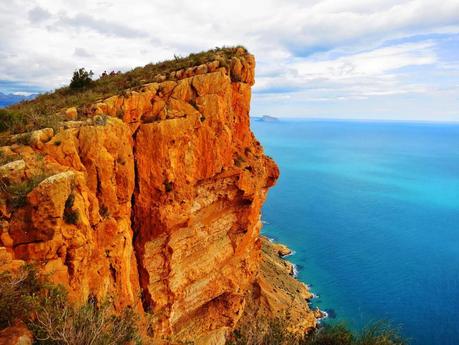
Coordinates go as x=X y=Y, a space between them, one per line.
x=381 y=59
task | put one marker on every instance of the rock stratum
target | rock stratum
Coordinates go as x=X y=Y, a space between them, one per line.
x=154 y=199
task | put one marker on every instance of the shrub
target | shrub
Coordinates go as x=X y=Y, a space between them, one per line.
x=380 y=333
x=59 y=323
x=45 y=308
x=100 y=120
x=81 y=79
x=168 y=186
x=18 y=294
x=329 y=335
x=71 y=216
x=275 y=332
x=263 y=332
x=24 y=139
x=11 y=121
x=5 y=159
x=17 y=193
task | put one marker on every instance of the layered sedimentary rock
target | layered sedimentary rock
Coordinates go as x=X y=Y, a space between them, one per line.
x=154 y=200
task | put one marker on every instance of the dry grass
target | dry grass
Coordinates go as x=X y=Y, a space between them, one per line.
x=42 y=111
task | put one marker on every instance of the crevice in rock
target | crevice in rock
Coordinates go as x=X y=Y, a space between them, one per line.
x=138 y=247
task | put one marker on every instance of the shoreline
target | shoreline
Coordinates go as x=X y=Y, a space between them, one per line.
x=282 y=252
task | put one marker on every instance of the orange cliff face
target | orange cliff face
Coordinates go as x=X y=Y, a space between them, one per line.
x=156 y=205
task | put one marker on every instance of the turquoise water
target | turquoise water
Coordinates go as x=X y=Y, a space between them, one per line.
x=372 y=211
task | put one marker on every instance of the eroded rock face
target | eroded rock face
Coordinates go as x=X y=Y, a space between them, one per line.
x=67 y=208
x=154 y=201
x=197 y=205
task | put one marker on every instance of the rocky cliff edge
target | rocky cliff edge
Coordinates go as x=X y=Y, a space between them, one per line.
x=152 y=197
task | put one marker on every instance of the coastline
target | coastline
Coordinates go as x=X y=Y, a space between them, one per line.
x=283 y=253
x=277 y=293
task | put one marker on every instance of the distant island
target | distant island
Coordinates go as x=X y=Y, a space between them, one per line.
x=266 y=118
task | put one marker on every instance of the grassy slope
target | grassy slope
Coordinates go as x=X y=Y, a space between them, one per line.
x=42 y=111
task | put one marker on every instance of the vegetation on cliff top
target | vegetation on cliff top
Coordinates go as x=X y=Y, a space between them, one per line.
x=43 y=111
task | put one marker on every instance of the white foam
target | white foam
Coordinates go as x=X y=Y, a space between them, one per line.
x=295 y=270
x=323 y=317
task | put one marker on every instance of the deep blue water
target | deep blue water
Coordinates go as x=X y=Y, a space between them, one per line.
x=372 y=211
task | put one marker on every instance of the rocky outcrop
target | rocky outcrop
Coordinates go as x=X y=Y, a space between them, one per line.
x=154 y=200
x=17 y=334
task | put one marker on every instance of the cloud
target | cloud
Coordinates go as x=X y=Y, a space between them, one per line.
x=376 y=72
x=376 y=62
x=38 y=15
x=81 y=52
x=319 y=50
x=102 y=26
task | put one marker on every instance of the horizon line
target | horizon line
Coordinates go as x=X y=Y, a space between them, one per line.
x=439 y=121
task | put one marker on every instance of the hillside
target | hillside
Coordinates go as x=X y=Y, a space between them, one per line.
x=47 y=110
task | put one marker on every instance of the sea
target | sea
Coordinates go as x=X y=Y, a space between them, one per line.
x=371 y=210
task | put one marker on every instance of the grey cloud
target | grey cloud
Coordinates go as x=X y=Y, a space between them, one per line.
x=38 y=15
x=101 y=26
x=81 y=52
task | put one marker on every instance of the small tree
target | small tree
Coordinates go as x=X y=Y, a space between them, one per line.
x=81 y=79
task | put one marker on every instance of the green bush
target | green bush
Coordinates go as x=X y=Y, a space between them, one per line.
x=59 y=323
x=11 y=121
x=18 y=294
x=81 y=79
x=17 y=193
x=71 y=216
x=274 y=332
x=264 y=332
x=380 y=333
x=5 y=159
x=45 y=308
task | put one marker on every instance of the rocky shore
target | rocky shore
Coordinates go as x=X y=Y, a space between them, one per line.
x=278 y=293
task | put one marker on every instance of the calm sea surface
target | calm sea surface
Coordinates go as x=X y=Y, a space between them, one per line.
x=372 y=212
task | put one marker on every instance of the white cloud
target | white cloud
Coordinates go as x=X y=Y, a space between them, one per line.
x=322 y=49
x=376 y=62
x=38 y=15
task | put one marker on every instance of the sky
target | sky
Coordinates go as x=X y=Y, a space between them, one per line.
x=381 y=59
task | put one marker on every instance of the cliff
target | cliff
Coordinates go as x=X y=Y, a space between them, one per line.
x=152 y=197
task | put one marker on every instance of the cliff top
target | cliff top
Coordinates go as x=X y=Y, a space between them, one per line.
x=46 y=109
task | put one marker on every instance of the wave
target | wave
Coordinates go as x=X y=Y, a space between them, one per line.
x=295 y=270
